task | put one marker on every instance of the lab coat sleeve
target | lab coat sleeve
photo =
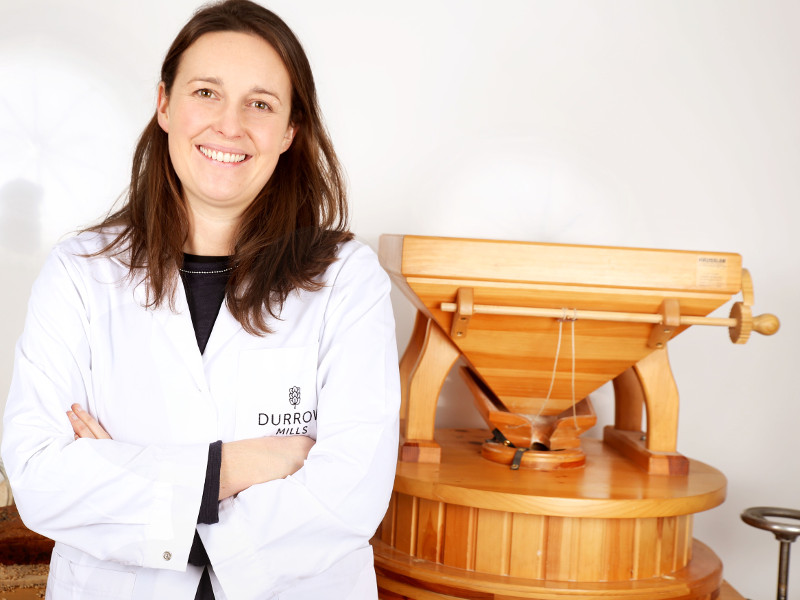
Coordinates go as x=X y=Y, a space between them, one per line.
x=274 y=534
x=116 y=501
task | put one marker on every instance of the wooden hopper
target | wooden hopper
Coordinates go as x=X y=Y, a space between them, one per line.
x=539 y=327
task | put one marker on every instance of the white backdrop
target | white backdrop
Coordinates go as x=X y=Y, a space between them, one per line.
x=669 y=124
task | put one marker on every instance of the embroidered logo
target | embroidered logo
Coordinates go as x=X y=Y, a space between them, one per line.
x=294 y=395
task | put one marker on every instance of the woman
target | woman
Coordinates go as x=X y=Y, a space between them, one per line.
x=223 y=351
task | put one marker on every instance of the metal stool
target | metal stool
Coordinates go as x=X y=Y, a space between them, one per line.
x=785 y=533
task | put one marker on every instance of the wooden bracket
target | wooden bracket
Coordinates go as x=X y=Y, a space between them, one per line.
x=464 y=308
x=670 y=310
x=649 y=382
x=427 y=362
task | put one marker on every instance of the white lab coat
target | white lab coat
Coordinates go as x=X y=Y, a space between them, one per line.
x=123 y=512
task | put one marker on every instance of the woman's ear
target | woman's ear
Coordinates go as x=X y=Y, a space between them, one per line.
x=291 y=131
x=162 y=107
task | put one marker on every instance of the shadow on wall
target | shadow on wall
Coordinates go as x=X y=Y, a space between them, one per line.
x=20 y=217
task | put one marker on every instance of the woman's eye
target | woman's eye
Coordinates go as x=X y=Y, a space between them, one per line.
x=204 y=93
x=260 y=105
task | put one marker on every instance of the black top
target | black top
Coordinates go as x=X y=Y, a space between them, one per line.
x=204 y=280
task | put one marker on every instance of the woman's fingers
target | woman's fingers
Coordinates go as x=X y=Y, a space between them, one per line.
x=79 y=427
x=85 y=425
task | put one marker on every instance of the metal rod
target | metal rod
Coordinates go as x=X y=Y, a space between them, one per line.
x=783 y=570
x=588 y=315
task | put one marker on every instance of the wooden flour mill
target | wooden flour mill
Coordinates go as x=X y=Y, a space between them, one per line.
x=526 y=509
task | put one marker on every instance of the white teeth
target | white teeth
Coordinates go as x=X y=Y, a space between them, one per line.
x=222 y=156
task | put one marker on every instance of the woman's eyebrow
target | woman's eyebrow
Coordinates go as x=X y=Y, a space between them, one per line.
x=260 y=90
x=213 y=80
x=217 y=81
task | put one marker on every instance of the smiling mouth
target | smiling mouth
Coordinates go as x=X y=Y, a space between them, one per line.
x=223 y=157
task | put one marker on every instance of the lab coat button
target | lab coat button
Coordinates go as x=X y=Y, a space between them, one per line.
x=167 y=555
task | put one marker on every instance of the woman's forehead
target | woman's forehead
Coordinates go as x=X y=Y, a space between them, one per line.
x=234 y=58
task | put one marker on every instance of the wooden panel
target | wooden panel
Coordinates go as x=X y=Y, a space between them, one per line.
x=430 y=530
x=590 y=563
x=669 y=541
x=406 y=520
x=529 y=539
x=561 y=263
x=685 y=527
x=493 y=544
x=619 y=550
x=388 y=526
x=559 y=556
x=647 y=553
x=461 y=524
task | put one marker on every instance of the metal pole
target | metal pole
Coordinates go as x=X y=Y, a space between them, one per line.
x=783 y=570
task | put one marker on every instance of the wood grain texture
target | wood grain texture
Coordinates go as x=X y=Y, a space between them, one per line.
x=607 y=522
x=563 y=263
x=400 y=576
x=610 y=486
x=425 y=364
x=515 y=355
x=543 y=547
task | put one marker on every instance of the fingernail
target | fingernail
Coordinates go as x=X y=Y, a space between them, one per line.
x=72 y=415
x=77 y=407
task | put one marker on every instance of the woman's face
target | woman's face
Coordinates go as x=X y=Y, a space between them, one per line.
x=227 y=120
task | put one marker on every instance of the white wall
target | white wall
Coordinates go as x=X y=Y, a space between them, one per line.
x=670 y=124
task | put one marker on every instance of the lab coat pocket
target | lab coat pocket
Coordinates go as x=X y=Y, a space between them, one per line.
x=277 y=392
x=73 y=581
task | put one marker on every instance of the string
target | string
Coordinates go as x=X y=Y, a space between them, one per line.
x=574 y=409
x=555 y=364
x=571 y=319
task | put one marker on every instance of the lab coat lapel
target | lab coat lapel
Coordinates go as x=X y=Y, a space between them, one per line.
x=178 y=329
x=225 y=327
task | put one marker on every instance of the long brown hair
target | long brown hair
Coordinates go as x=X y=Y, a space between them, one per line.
x=288 y=235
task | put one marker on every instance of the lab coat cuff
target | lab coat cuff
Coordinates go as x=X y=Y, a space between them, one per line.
x=178 y=495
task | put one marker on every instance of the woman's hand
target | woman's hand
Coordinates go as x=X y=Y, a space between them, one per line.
x=258 y=460
x=85 y=425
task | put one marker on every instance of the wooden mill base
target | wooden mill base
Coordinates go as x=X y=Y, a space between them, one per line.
x=468 y=528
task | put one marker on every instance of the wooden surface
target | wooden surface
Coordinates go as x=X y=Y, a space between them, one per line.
x=22 y=582
x=606 y=522
x=563 y=263
x=36 y=592
x=515 y=355
x=609 y=486
x=403 y=577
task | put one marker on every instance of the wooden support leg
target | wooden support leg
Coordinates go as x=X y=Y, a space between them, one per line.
x=436 y=357
x=661 y=399
x=409 y=361
x=629 y=401
x=650 y=383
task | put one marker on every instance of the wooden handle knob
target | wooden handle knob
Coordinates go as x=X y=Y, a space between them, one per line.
x=766 y=324
x=740 y=332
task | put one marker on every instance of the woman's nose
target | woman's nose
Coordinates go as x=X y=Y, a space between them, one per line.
x=228 y=120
